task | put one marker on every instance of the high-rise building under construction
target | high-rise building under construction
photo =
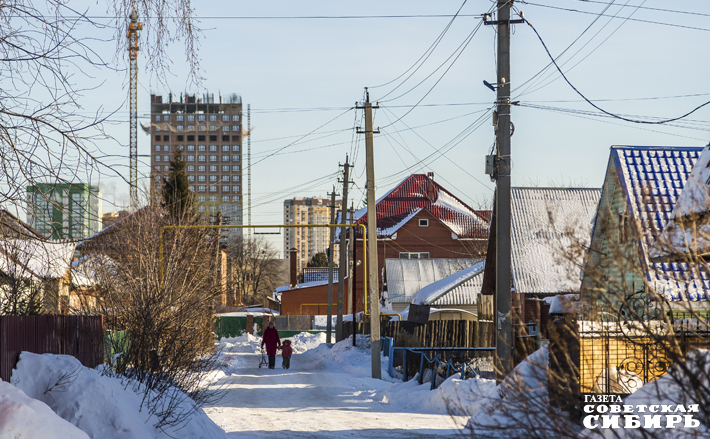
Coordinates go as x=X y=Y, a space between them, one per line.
x=209 y=134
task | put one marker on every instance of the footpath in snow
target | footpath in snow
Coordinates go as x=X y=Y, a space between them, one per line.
x=328 y=392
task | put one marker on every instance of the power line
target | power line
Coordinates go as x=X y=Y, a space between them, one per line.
x=660 y=122
x=652 y=9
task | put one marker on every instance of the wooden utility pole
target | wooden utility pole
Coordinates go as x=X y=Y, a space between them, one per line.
x=372 y=268
x=329 y=322
x=342 y=269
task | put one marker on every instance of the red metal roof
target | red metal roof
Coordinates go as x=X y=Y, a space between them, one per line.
x=419 y=191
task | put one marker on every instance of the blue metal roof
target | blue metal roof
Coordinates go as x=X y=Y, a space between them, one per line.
x=652 y=179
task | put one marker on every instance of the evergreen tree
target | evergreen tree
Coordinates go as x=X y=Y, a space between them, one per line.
x=319 y=259
x=177 y=197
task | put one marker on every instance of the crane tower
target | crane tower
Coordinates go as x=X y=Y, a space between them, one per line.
x=133 y=27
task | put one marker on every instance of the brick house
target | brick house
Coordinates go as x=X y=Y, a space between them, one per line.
x=420 y=219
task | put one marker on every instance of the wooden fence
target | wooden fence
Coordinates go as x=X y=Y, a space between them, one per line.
x=438 y=333
x=78 y=336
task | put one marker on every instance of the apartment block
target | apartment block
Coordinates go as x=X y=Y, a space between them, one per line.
x=64 y=210
x=209 y=134
x=307 y=241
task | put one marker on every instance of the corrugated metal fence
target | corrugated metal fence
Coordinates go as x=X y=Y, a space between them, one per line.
x=78 y=336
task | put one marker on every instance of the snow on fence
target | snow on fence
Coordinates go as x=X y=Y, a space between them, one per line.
x=437 y=333
x=79 y=336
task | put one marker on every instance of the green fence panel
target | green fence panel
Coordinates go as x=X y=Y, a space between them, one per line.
x=230 y=326
x=286 y=334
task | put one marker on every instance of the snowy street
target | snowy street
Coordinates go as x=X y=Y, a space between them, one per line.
x=319 y=397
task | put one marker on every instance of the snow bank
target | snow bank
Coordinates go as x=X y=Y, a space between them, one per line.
x=245 y=343
x=24 y=417
x=305 y=341
x=101 y=406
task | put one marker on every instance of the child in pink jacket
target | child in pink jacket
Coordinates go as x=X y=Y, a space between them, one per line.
x=286 y=352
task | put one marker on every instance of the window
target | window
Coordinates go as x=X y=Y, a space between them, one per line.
x=235 y=198
x=157 y=137
x=157 y=118
x=235 y=178
x=213 y=127
x=166 y=168
x=201 y=117
x=201 y=168
x=213 y=208
x=225 y=189
x=235 y=148
x=201 y=147
x=213 y=148
x=190 y=178
x=201 y=138
x=225 y=178
x=225 y=158
x=213 y=198
x=225 y=148
x=225 y=138
x=213 y=188
x=225 y=198
x=414 y=255
x=191 y=158
x=181 y=138
x=180 y=127
x=235 y=158
x=201 y=208
x=213 y=158
x=157 y=128
x=201 y=178
x=157 y=158
x=157 y=147
x=235 y=168
x=157 y=178
x=213 y=118
x=166 y=138
x=200 y=127
x=190 y=168
x=235 y=128
x=157 y=169
x=225 y=118
x=166 y=148
x=235 y=188
x=225 y=168
x=166 y=128
x=423 y=223
x=201 y=198
x=190 y=147
x=190 y=117
x=235 y=118
x=201 y=158
x=192 y=188
x=190 y=138
x=201 y=188
x=191 y=128
x=179 y=117
x=225 y=127
x=166 y=158
x=213 y=178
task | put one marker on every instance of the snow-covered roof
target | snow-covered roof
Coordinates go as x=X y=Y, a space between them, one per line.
x=84 y=270
x=688 y=228
x=419 y=191
x=407 y=276
x=468 y=282
x=550 y=228
x=652 y=179
x=46 y=259
x=303 y=285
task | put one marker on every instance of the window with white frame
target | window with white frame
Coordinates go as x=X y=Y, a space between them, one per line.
x=225 y=158
x=157 y=178
x=201 y=178
x=413 y=255
x=225 y=127
x=191 y=127
x=190 y=117
x=201 y=208
x=235 y=148
x=213 y=198
x=201 y=158
x=181 y=127
x=179 y=117
x=225 y=118
x=190 y=168
x=190 y=178
x=235 y=178
x=192 y=188
x=190 y=147
x=235 y=188
x=235 y=198
x=235 y=158
x=201 y=188
x=213 y=168
x=201 y=198
x=157 y=169
x=213 y=178
x=423 y=223
x=166 y=168
x=157 y=147
x=201 y=117
x=213 y=127
x=213 y=148
x=225 y=189
x=213 y=208
x=201 y=168
x=166 y=148
x=213 y=188
x=235 y=118
x=235 y=168
x=201 y=128
x=225 y=178
x=201 y=148
x=235 y=128
x=225 y=168
x=225 y=198
x=190 y=158
x=213 y=118
x=225 y=148
x=157 y=158
x=213 y=158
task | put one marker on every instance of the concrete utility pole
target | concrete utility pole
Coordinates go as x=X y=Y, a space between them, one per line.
x=342 y=269
x=329 y=323
x=372 y=267
x=353 y=273
x=504 y=315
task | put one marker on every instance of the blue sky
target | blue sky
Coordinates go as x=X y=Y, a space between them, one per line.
x=303 y=74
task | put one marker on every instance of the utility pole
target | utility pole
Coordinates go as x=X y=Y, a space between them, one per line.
x=504 y=314
x=342 y=269
x=352 y=267
x=329 y=322
x=372 y=267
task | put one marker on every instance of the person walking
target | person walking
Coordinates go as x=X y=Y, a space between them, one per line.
x=272 y=342
x=286 y=352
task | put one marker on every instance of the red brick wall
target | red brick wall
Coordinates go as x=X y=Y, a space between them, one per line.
x=292 y=300
x=436 y=239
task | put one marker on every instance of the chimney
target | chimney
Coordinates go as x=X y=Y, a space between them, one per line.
x=430 y=186
x=292 y=259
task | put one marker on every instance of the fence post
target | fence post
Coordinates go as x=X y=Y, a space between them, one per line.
x=404 y=365
x=421 y=368
x=434 y=370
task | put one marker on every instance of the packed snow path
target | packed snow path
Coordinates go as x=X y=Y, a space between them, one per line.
x=315 y=398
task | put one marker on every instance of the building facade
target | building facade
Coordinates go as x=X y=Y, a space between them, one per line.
x=64 y=210
x=209 y=134
x=307 y=241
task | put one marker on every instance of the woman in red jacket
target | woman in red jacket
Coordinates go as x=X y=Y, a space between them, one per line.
x=272 y=342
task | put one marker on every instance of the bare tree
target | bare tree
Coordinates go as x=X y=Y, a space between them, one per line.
x=255 y=268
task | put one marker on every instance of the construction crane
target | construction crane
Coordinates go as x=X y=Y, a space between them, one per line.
x=133 y=27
